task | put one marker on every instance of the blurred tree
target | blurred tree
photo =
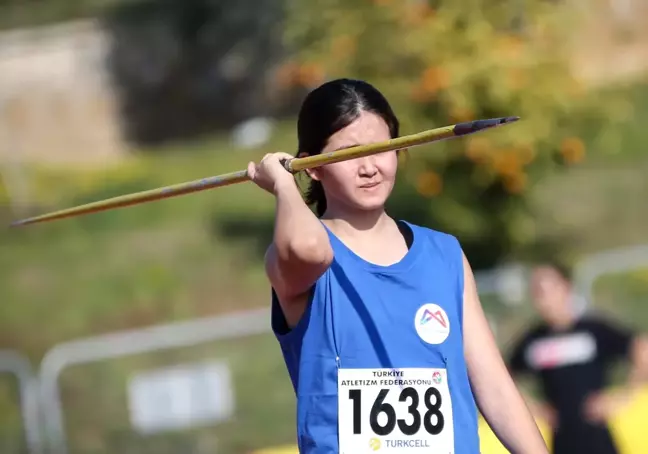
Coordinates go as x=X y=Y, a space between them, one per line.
x=441 y=62
x=184 y=69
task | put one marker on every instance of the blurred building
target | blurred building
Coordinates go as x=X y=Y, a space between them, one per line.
x=56 y=102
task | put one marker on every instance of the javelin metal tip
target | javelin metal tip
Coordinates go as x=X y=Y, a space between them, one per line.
x=471 y=127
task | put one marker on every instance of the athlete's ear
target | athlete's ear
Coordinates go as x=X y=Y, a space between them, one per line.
x=312 y=173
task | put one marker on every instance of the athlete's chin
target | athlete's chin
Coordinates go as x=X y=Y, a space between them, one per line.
x=374 y=197
x=371 y=203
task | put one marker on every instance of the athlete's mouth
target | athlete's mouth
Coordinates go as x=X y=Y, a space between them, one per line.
x=370 y=185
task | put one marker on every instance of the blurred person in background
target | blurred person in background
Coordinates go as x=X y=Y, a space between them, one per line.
x=378 y=320
x=572 y=356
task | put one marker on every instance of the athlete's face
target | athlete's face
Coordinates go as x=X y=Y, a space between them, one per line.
x=551 y=294
x=362 y=183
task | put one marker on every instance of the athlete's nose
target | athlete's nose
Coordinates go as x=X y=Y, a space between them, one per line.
x=367 y=167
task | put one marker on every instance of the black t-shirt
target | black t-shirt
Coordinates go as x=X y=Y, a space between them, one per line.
x=571 y=364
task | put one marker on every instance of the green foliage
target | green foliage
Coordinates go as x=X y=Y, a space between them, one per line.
x=441 y=62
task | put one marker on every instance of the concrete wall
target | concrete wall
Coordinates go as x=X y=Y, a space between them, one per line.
x=56 y=102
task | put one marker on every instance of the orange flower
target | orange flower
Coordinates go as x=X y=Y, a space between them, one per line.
x=417 y=13
x=477 y=149
x=508 y=163
x=572 y=150
x=510 y=46
x=434 y=79
x=310 y=74
x=425 y=10
x=429 y=184
x=515 y=184
x=418 y=94
x=286 y=74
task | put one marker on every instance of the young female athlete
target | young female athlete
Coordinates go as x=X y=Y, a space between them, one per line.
x=379 y=321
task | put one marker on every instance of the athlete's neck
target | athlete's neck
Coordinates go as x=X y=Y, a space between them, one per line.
x=562 y=322
x=350 y=223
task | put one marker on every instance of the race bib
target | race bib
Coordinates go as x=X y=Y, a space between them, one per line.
x=397 y=410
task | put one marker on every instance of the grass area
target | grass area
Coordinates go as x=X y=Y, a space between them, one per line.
x=137 y=265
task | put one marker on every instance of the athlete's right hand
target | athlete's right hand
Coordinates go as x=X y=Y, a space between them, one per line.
x=270 y=174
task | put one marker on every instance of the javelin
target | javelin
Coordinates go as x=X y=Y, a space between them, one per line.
x=292 y=165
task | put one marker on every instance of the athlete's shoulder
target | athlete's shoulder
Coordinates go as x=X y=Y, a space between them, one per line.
x=440 y=244
x=435 y=235
x=593 y=320
x=438 y=238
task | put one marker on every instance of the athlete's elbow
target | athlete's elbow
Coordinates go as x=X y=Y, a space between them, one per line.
x=309 y=251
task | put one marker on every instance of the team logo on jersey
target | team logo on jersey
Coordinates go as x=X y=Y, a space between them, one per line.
x=436 y=378
x=432 y=324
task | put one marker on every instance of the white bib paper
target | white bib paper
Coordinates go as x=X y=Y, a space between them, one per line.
x=394 y=410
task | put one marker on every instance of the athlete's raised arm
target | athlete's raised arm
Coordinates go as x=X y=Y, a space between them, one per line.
x=300 y=251
x=497 y=396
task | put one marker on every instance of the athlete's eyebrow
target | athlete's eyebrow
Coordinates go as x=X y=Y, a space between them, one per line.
x=347 y=146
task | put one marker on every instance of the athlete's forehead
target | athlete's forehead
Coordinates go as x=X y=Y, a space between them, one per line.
x=367 y=128
x=546 y=275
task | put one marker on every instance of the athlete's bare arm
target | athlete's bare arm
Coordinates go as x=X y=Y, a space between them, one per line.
x=300 y=251
x=639 y=358
x=497 y=396
x=540 y=410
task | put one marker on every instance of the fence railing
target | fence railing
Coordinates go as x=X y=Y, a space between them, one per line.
x=126 y=343
x=19 y=366
x=619 y=260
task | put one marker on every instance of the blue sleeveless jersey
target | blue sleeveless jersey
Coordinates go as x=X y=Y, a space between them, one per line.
x=369 y=317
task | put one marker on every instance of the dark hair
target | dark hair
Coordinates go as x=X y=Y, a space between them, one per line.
x=560 y=267
x=330 y=108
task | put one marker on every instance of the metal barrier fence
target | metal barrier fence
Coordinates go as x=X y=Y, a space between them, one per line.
x=19 y=366
x=619 y=260
x=617 y=281
x=132 y=343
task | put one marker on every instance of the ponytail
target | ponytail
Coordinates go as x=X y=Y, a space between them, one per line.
x=315 y=196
